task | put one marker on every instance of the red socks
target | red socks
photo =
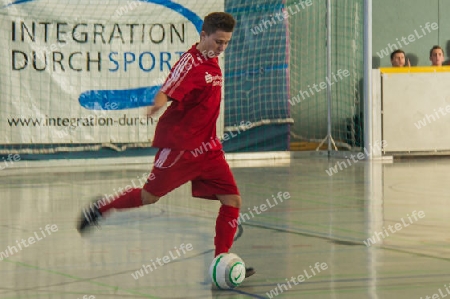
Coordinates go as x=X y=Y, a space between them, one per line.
x=131 y=199
x=226 y=226
x=226 y=223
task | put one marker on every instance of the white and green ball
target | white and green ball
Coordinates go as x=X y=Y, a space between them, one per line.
x=227 y=271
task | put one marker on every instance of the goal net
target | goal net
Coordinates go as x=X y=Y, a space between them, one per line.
x=77 y=75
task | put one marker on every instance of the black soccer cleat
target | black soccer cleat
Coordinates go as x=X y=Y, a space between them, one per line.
x=89 y=216
x=249 y=272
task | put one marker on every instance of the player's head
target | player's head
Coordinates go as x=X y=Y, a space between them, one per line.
x=398 y=58
x=216 y=33
x=436 y=56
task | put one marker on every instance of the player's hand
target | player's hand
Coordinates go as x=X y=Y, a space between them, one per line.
x=160 y=101
x=151 y=111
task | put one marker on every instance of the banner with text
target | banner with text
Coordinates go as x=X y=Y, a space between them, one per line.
x=84 y=71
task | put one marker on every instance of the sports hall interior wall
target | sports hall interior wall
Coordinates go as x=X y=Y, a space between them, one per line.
x=393 y=20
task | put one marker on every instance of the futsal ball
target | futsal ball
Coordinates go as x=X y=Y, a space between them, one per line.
x=227 y=271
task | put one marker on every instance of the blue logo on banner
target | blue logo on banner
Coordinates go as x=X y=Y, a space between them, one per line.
x=135 y=97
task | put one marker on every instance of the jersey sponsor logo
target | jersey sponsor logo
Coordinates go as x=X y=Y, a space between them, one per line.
x=215 y=80
x=208 y=77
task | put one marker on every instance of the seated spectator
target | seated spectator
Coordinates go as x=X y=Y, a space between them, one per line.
x=436 y=56
x=398 y=58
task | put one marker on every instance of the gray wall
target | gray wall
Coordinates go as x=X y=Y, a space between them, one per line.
x=394 y=19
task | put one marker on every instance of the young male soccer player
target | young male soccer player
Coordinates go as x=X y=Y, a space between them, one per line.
x=194 y=86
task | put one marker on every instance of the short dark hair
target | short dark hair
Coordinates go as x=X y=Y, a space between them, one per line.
x=218 y=21
x=435 y=48
x=396 y=52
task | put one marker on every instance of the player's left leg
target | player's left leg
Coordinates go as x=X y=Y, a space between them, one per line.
x=226 y=222
x=217 y=182
x=226 y=225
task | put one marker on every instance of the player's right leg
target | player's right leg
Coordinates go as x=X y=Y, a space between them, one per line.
x=94 y=211
x=168 y=173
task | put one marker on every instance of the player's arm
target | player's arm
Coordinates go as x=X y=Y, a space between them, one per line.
x=160 y=101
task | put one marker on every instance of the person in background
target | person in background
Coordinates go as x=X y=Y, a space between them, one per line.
x=436 y=56
x=398 y=58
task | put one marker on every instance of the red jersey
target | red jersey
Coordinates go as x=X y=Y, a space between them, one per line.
x=195 y=87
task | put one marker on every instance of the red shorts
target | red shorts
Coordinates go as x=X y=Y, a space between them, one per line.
x=209 y=173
